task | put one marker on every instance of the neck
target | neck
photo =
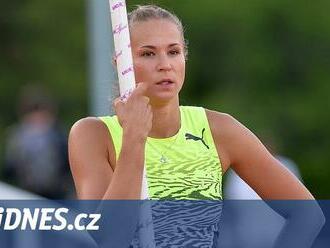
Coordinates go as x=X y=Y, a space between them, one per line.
x=166 y=120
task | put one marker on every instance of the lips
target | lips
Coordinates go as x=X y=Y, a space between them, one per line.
x=165 y=82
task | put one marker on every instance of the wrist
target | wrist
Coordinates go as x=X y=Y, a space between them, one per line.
x=134 y=136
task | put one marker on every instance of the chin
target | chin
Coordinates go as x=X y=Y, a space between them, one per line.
x=163 y=98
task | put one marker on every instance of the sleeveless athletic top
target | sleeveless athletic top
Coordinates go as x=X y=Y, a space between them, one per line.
x=184 y=167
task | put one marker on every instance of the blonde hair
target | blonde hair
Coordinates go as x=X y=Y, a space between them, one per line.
x=148 y=12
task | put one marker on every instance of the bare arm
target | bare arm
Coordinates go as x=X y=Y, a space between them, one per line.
x=253 y=162
x=90 y=163
x=250 y=159
x=92 y=156
x=89 y=158
x=97 y=174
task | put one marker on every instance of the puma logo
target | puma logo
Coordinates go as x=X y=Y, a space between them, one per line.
x=195 y=138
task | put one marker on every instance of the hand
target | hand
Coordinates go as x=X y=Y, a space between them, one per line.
x=135 y=114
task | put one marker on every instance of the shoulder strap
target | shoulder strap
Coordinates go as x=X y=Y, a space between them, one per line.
x=115 y=130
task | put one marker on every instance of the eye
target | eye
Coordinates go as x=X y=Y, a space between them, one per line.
x=174 y=52
x=147 y=54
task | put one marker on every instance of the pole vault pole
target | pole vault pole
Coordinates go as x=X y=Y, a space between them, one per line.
x=126 y=77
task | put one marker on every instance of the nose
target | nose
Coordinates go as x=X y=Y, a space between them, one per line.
x=163 y=63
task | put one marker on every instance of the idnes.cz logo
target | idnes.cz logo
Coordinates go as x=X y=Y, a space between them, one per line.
x=46 y=219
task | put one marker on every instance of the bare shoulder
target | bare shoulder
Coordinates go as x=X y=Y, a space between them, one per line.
x=230 y=136
x=234 y=135
x=87 y=126
x=252 y=161
x=218 y=117
x=90 y=134
x=90 y=155
x=223 y=125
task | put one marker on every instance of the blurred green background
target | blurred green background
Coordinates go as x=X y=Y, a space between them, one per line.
x=267 y=63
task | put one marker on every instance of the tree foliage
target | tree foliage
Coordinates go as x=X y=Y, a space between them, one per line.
x=265 y=62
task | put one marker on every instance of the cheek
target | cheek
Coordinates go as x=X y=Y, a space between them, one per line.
x=140 y=71
x=182 y=68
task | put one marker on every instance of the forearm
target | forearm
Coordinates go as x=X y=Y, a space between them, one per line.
x=120 y=215
x=126 y=181
x=304 y=221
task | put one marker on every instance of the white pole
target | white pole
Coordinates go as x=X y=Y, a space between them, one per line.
x=123 y=54
x=126 y=77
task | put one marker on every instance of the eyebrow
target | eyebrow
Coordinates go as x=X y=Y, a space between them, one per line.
x=153 y=47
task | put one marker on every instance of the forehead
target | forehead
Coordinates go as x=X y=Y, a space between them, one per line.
x=155 y=32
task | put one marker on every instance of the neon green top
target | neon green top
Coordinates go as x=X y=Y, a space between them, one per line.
x=185 y=166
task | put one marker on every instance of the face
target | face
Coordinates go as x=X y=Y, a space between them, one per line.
x=159 y=61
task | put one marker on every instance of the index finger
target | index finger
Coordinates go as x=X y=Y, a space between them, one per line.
x=140 y=89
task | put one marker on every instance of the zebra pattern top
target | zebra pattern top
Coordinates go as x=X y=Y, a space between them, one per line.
x=184 y=178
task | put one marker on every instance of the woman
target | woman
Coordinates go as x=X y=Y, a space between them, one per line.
x=186 y=149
